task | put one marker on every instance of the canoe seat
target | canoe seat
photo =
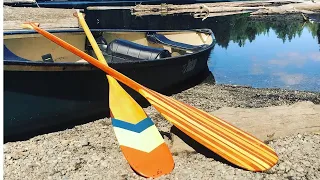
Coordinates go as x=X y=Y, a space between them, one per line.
x=102 y=44
x=161 y=39
x=129 y=50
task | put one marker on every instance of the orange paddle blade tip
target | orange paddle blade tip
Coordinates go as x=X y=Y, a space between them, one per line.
x=155 y=163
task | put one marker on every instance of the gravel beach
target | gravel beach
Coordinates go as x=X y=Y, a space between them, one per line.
x=90 y=151
x=288 y=121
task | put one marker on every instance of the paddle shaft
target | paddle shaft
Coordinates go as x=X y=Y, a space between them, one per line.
x=93 y=43
x=91 y=38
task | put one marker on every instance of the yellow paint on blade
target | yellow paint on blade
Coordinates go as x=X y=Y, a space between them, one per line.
x=118 y=97
x=146 y=140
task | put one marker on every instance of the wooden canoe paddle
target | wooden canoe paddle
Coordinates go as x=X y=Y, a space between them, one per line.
x=226 y=140
x=139 y=139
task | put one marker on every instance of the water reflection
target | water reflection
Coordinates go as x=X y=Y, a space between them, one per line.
x=240 y=29
x=273 y=58
x=278 y=52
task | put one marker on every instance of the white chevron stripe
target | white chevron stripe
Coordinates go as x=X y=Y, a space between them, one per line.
x=145 y=141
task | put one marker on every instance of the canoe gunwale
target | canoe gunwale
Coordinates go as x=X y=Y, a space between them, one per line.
x=11 y=65
x=66 y=30
x=16 y=65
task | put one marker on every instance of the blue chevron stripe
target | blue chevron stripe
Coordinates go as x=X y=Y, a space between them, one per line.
x=139 y=127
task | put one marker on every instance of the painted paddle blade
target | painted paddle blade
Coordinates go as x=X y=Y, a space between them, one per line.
x=139 y=139
x=229 y=142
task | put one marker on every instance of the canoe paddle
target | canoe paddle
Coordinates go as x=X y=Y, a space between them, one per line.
x=226 y=140
x=139 y=139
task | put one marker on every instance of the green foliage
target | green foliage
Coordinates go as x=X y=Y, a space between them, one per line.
x=313 y=28
x=241 y=28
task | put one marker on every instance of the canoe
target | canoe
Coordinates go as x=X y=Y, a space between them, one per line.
x=46 y=86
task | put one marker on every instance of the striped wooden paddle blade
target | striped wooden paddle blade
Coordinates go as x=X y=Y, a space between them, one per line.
x=139 y=139
x=231 y=143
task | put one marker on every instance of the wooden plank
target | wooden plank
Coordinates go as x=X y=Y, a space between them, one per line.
x=256 y=7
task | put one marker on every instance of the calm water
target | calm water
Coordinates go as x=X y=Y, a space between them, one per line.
x=282 y=52
x=284 y=56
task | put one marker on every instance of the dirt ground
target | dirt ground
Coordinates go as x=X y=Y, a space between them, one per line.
x=287 y=120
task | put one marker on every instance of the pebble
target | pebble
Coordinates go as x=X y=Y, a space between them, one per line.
x=6 y=149
x=96 y=135
x=287 y=168
x=299 y=136
x=84 y=142
x=229 y=177
x=291 y=173
x=281 y=150
x=300 y=169
x=53 y=162
x=65 y=142
x=96 y=158
x=282 y=167
x=16 y=155
x=306 y=163
x=104 y=163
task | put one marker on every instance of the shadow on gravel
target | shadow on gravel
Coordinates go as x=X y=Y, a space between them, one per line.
x=200 y=148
